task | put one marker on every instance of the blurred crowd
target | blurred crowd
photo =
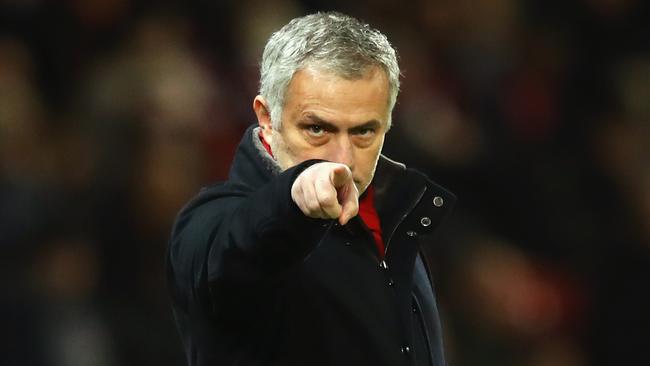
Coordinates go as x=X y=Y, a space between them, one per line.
x=113 y=113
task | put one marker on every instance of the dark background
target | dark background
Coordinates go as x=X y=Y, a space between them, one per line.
x=113 y=113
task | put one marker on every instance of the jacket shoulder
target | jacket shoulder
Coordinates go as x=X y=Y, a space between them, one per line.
x=206 y=206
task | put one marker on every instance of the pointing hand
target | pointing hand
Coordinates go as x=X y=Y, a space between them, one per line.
x=326 y=191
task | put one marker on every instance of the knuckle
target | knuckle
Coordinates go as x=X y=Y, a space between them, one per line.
x=302 y=208
x=327 y=198
x=313 y=207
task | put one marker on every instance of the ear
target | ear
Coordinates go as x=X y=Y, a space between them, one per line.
x=263 y=113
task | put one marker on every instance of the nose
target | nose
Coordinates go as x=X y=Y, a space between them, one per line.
x=343 y=152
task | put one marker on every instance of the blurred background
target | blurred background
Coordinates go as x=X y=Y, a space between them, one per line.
x=113 y=113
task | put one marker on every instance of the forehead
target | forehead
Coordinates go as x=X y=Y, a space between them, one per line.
x=338 y=99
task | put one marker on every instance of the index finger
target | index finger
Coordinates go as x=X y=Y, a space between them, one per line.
x=340 y=175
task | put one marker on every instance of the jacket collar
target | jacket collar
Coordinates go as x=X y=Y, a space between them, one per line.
x=252 y=164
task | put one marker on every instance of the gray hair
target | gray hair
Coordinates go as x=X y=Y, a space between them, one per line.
x=329 y=41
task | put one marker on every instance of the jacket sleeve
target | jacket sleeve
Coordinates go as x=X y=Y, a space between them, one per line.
x=242 y=238
x=264 y=233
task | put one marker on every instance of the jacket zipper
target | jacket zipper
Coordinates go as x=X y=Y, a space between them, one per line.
x=410 y=209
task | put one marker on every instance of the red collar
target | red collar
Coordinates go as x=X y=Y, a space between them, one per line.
x=266 y=144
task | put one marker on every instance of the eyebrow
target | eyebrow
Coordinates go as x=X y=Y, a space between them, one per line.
x=373 y=123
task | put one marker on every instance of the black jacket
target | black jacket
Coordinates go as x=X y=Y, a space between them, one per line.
x=255 y=282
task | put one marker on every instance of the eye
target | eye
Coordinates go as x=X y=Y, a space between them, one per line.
x=315 y=130
x=365 y=132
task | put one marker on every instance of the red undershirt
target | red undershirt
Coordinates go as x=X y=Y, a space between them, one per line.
x=369 y=216
x=367 y=209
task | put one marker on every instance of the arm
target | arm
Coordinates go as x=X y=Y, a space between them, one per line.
x=240 y=236
x=231 y=244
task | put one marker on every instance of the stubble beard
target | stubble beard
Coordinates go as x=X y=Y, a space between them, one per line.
x=281 y=152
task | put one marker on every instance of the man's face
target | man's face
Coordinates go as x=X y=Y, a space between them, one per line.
x=335 y=119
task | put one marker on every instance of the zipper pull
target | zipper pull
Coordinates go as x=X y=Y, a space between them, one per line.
x=383 y=264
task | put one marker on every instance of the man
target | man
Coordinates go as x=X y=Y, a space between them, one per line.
x=310 y=253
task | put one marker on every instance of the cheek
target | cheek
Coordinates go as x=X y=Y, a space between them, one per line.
x=366 y=162
x=297 y=150
x=373 y=155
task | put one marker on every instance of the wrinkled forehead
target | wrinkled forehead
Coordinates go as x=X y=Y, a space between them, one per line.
x=344 y=69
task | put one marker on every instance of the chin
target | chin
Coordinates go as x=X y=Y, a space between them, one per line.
x=361 y=187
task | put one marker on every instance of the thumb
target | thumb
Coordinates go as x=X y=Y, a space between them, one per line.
x=340 y=176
